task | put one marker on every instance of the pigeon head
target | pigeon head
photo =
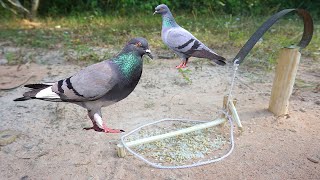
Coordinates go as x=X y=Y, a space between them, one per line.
x=161 y=9
x=140 y=45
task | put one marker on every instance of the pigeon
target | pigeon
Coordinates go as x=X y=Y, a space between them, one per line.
x=98 y=85
x=182 y=42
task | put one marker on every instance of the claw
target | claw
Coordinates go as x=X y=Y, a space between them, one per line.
x=109 y=130
x=104 y=129
x=113 y=130
x=182 y=65
x=96 y=128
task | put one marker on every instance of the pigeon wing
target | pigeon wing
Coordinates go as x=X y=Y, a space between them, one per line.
x=182 y=41
x=88 y=84
x=179 y=39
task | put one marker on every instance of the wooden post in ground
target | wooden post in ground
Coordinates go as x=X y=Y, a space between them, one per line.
x=225 y=100
x=286 y=71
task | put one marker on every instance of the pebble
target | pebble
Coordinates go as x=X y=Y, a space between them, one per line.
x=24 y=178
x=8 y=137
x=302 y=110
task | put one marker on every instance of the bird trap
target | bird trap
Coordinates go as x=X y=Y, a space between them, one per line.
x=175 y=143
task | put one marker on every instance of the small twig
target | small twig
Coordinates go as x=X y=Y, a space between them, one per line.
x=172 y=98
x=18 y=85
x=313 y=160
x=82 y=164
x=42 y=154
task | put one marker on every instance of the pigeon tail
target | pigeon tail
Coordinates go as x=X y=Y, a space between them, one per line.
x=39 y=91
x=218 y=59
x=37 y=86
x=219 y=62
x=22 y=99
x=203 y=53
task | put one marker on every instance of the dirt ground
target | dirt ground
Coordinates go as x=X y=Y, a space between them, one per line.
x=52 y=145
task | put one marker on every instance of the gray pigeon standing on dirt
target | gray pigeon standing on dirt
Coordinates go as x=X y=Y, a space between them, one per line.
x=181 y=41
x=98 y=85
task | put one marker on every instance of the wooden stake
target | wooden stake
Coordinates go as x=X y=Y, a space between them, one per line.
x=283 y=82
x=224 y=105
x=121 y=151
x=234 y=113
x=225 y=99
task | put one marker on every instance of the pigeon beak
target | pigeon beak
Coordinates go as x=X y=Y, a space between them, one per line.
x=155 y=12
x=148 y=52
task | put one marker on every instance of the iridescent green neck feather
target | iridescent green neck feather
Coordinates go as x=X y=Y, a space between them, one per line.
x=128 y=63
x=168 y=21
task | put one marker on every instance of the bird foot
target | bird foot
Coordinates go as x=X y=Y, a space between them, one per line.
x=182 y=65
x=109 y=130
x=105 y=129
x=94 y=127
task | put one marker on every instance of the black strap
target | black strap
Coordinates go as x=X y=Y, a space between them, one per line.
x=305 y=40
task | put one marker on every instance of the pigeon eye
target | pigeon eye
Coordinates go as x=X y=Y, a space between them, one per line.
x=138 y=44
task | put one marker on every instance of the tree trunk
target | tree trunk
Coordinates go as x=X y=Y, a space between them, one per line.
x=34 y=9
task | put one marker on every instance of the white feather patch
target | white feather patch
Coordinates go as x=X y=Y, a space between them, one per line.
x=49 y=83
x=47 y=93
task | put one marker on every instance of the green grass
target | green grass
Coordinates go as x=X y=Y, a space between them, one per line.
x=225 y=34
x=185 y=74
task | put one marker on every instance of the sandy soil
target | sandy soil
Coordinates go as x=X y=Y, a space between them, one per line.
x=52 y=144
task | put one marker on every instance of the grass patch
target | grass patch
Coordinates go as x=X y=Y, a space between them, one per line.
x=185 y=74
x=225 y=34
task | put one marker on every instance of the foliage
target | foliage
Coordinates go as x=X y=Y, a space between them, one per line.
x=185 y=74
x=194 y=7
x=71 y=26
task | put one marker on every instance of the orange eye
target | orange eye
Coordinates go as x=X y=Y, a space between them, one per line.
x=138 y=44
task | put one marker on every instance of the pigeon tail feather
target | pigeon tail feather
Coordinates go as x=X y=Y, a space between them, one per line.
x=37 y=86
x=209 y=55
x=39 y=91
x=28 y=95
x=22 y=99
x=220 y=62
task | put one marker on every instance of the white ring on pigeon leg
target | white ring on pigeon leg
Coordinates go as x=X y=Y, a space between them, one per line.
x=98 y=120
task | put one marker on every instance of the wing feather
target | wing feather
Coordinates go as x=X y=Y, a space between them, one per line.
x=185 y=44
x=88 y=84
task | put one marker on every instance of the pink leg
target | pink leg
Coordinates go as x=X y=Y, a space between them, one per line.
x=99 y=125
x=109 y=130
x=180 y=65
x=183 y=64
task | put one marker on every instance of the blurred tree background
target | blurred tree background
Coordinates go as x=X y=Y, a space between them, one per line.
x=131 y=7
x=81 y=25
